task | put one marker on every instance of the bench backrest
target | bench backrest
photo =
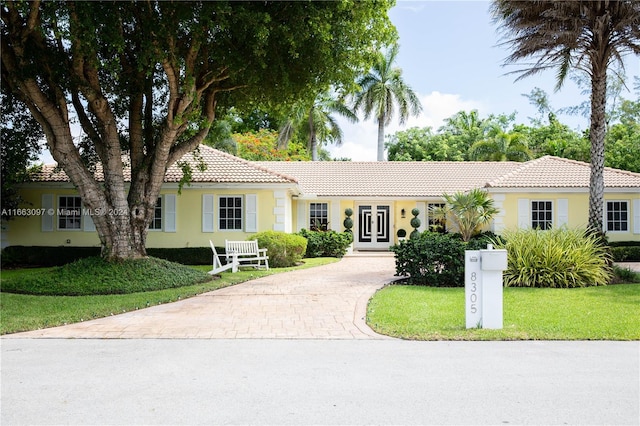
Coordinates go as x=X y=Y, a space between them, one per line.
x=242 y=247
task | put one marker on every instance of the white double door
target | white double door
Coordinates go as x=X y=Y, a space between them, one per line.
x=373 y=226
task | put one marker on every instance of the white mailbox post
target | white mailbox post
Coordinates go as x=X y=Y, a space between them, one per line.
x=483 y=287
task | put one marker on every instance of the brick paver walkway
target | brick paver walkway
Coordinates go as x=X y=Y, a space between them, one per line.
x=327 y=302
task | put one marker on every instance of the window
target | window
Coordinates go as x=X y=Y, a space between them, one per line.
x=69 y=212
x=318 y=216
x=156 y=222
x=435 y=225
x=541 y=215
x=617 y=216
x=230 y=217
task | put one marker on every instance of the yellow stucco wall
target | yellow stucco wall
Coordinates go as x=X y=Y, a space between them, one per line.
x=27 y=231
x=577 y=210
x=277 y=210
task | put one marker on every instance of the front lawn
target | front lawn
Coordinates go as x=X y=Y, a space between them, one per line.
x=24 y=312
x=429 y=313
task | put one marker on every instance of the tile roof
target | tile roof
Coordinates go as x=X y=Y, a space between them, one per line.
x=382 y=178
x=556 y=172
x=221 y=168
x=433 y=178
x=390 y=178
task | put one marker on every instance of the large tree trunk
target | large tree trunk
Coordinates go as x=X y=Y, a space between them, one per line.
x=597 y=134
x=381 y=138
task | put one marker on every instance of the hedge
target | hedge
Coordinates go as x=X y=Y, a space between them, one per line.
x=30 y=256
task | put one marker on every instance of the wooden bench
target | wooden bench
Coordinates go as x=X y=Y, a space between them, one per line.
x=217 y=263
x=247 y=252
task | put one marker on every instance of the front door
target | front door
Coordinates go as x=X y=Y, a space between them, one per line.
x=373 y=227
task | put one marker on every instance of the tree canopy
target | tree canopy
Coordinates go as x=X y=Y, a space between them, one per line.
x=145 y=79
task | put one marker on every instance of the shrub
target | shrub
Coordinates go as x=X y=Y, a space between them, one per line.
x=14 y=256
x=625 y=275
x=284 y=250
x=480 y=241
x=555 y=258
x=625 y=253
x=326 y=243
x=94 y=275
x=431 y=259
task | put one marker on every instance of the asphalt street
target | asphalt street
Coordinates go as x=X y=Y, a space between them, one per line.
x=263 y=381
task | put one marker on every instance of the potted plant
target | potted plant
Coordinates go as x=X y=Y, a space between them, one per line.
x=402 y=234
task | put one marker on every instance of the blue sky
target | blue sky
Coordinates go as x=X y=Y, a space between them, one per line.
x=450 y=56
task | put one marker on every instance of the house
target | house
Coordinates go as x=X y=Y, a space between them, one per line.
x=234 y=198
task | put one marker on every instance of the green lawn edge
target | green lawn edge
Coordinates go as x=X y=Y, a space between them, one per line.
x=430 y=313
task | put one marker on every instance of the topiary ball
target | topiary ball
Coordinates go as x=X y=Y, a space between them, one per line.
x=415 y=222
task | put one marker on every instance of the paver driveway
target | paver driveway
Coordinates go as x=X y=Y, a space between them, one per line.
x=327 y=302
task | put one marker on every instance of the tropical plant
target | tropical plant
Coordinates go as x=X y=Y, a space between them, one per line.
x=144 y=82
x=382 y=88
x=501 y=146
x=315 y=122
x=469 y=211
x=588 y=36
x=554 y=258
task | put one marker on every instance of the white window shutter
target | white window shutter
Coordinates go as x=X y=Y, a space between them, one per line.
x=47 y=216
x=302 y=215
x=335 y=222
x=636 y=216
x=251 y=213
x=523 y=213
x=169 y=213
x=87 y=221
x=563 y=212
x=208 y=213
x=423 y=215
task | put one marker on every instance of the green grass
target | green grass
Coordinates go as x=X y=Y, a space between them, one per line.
x=23 y=312
x=428 y=313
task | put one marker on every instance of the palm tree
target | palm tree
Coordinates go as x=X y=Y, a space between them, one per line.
x=501 y=146
x=315 y=122
x=469 y=211
x=584 y=35
x=381 y=89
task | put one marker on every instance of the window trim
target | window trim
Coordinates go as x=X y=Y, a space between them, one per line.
x=242 y=213
x=59 y=217
x=550 y=223
x=324 y=210
x=155 y=210
x=627 y=221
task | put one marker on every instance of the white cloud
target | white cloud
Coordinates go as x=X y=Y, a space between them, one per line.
x=360 y=139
